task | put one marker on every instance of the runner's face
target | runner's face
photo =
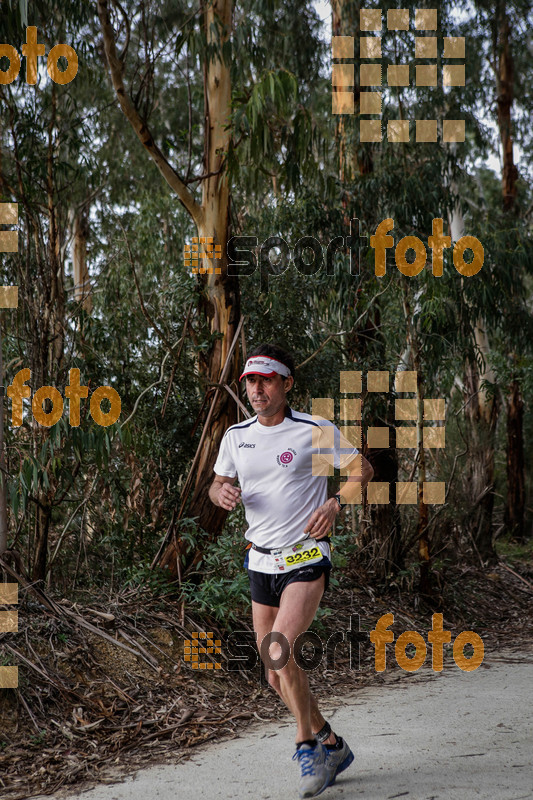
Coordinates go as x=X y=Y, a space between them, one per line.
x=267 y=396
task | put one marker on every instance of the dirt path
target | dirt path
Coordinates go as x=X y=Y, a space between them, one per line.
x=427 y=737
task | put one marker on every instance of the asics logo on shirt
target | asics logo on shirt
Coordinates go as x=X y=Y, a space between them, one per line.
x=245 y=444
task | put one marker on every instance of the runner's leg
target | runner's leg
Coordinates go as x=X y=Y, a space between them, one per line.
x=264 y=618
x=304 y=708
x=298 y=606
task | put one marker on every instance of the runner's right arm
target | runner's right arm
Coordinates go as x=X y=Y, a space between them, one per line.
x=222 y=492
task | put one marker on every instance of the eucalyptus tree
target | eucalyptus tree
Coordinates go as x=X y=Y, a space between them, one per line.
x=498 y=309
x=42 y=134
x=244 y=116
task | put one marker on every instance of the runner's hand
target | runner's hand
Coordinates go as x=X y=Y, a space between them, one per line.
x=229 y=496
x=321 y=521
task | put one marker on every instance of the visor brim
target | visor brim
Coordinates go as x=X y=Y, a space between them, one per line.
x=257 y=372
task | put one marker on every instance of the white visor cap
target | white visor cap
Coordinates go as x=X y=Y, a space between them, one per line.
x=263 y=365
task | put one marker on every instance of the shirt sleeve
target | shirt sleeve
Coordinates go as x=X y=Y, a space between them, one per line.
x=345 y=450
x=333 y=448
x=225 y=465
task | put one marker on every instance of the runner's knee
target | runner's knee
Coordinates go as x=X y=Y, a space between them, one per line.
x=273 y=680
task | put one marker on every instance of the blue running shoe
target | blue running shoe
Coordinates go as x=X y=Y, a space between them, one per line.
x=315 y=771
x=338 y=760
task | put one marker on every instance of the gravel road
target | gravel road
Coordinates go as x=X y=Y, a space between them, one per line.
x=429 y=736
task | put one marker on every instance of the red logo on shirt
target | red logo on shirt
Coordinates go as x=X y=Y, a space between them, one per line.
x=285 y=458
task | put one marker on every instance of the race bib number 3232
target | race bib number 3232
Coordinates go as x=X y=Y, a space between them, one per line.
x=288 y=558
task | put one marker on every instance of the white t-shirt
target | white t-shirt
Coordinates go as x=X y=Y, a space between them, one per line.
x=275 y=466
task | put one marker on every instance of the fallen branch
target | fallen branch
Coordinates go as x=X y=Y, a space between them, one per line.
x=516 y=574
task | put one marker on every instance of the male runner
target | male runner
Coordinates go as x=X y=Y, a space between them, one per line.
x=285 y=500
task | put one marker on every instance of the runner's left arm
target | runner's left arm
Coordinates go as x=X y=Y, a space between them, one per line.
x=360 y=473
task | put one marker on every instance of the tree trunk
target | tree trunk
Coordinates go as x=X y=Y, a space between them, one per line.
x=80 y=232
x=505 y=88
x=481 y=413
x=42 y=525
x=515 y=500
x=381 y=538
x=481 y=417
x=219 y=302
x=425 y=585
x=424 y=554
x=380 y=524
x=3 y=471
x=345 y=22
x=55 y=309
x=516 y=495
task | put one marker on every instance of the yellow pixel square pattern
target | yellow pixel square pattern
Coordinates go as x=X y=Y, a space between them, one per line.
x=434 y=437
x=377 y=437
x=454 y=47
x=426 y=130
x=434 y=493
x=350 y=408
x=453 y=130
x=377 y=381
x=406 y=409
x=426 y=74
x=370 y=75
x=323 y=407
x=9 y=593
x=8 y=624
x=192 y=650
x=356 y=494
x=353 y=434
x=370 y=102
x=355 y=466
x=9 y=677
x=453 y=75
x=9 y=241
x=398 y=130
x=351 y=381
x=426 y=47
x=406 y=493
x=342 y=46
x=370 y=46
x=377 y=493
x=435 y=409
x=9 y=213
x=342 y=75
x=398 y=75
x=9 y=296
x=322 y=465
x=406 y=437
x=370 y=130
x=426 y=19
x=370 y=19
x=342 y=103
x=405 y=381
x=398 y=19
x=323 y=436
x=193 y=255
x=9 y=620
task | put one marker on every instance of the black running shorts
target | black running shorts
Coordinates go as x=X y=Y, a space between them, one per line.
x=267 y=589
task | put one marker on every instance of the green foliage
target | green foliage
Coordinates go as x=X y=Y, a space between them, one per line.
x=224 y=593
x=515 y=553
x=109 y=493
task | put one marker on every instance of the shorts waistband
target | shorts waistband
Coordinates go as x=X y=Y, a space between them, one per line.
x=267 y=550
